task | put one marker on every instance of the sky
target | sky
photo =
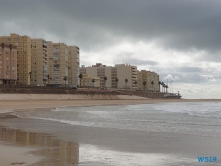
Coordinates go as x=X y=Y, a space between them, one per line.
x=179 y=40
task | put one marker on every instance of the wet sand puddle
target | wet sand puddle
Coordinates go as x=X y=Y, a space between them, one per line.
x=55 y=152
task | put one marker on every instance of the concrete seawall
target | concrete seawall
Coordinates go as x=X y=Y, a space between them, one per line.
x=68 y=97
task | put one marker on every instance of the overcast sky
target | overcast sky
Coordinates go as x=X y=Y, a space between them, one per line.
x=180 y=40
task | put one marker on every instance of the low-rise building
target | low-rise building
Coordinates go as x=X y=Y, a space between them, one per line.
x=90 y=82
x=8 y=64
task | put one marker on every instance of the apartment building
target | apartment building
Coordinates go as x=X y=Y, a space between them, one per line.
x=57 y=63
x=129 y=72
x=8 y=64
x=38 y=73
x=151 y=79
x=23 y=44
x=73 y=65
x=100 y=71
x=116 y=75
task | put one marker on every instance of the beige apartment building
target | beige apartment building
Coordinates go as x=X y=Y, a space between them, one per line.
x=73 y=65
x=90 y=82
x=38 y=73
x=23 y=44
x=101 y=71
x=121 y=72
x=8 y=64
x=129 y=72
x=148 y=77
x=57 y=63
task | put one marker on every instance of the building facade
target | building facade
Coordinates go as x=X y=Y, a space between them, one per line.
x=73 y=65
x=151 y=80
x=57 y=63
x=8 y=64
x=39 y=73
x=90 y=82
x=23 y=44
x=129 y=72
x=115 y=76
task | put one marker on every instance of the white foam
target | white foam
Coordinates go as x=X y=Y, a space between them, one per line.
x=103 y=156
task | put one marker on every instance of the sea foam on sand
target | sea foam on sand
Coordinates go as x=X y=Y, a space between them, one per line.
x=90 y=154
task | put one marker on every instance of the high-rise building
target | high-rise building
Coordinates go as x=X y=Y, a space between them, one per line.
x=39 y=62
x=57 y=63
x=148 y=80
x=122 y=76
x=8 y=64
x=73 y=65
x=23 y=44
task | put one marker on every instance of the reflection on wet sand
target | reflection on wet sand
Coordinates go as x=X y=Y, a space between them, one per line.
x=56 y=153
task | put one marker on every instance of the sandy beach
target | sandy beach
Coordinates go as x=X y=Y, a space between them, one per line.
x=20 y=151
x=8 y=105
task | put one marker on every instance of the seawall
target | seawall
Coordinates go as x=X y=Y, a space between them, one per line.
x=68 y=97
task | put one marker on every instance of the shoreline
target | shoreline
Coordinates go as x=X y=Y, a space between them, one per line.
x=35 y=105
x=11 y=105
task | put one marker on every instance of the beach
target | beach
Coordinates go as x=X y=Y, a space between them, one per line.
x=38 y=136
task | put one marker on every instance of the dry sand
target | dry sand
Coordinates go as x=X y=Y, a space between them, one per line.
x=19 y=154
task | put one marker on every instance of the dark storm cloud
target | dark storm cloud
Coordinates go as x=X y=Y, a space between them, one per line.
x=179 y=25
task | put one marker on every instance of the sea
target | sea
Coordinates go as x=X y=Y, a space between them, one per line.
x=194 y=118
x=190 y=119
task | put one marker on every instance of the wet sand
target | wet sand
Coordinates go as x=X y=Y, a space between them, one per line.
x=9 y=105
x=17 y=155
x=63 y=146
x=19 y=147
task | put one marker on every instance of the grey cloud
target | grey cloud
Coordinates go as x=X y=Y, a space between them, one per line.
x=138 y=62
x=190 y=69
x=128 y=57
x=184 y=78
x=142 y=62
x=97 y=25
x=181 y=25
